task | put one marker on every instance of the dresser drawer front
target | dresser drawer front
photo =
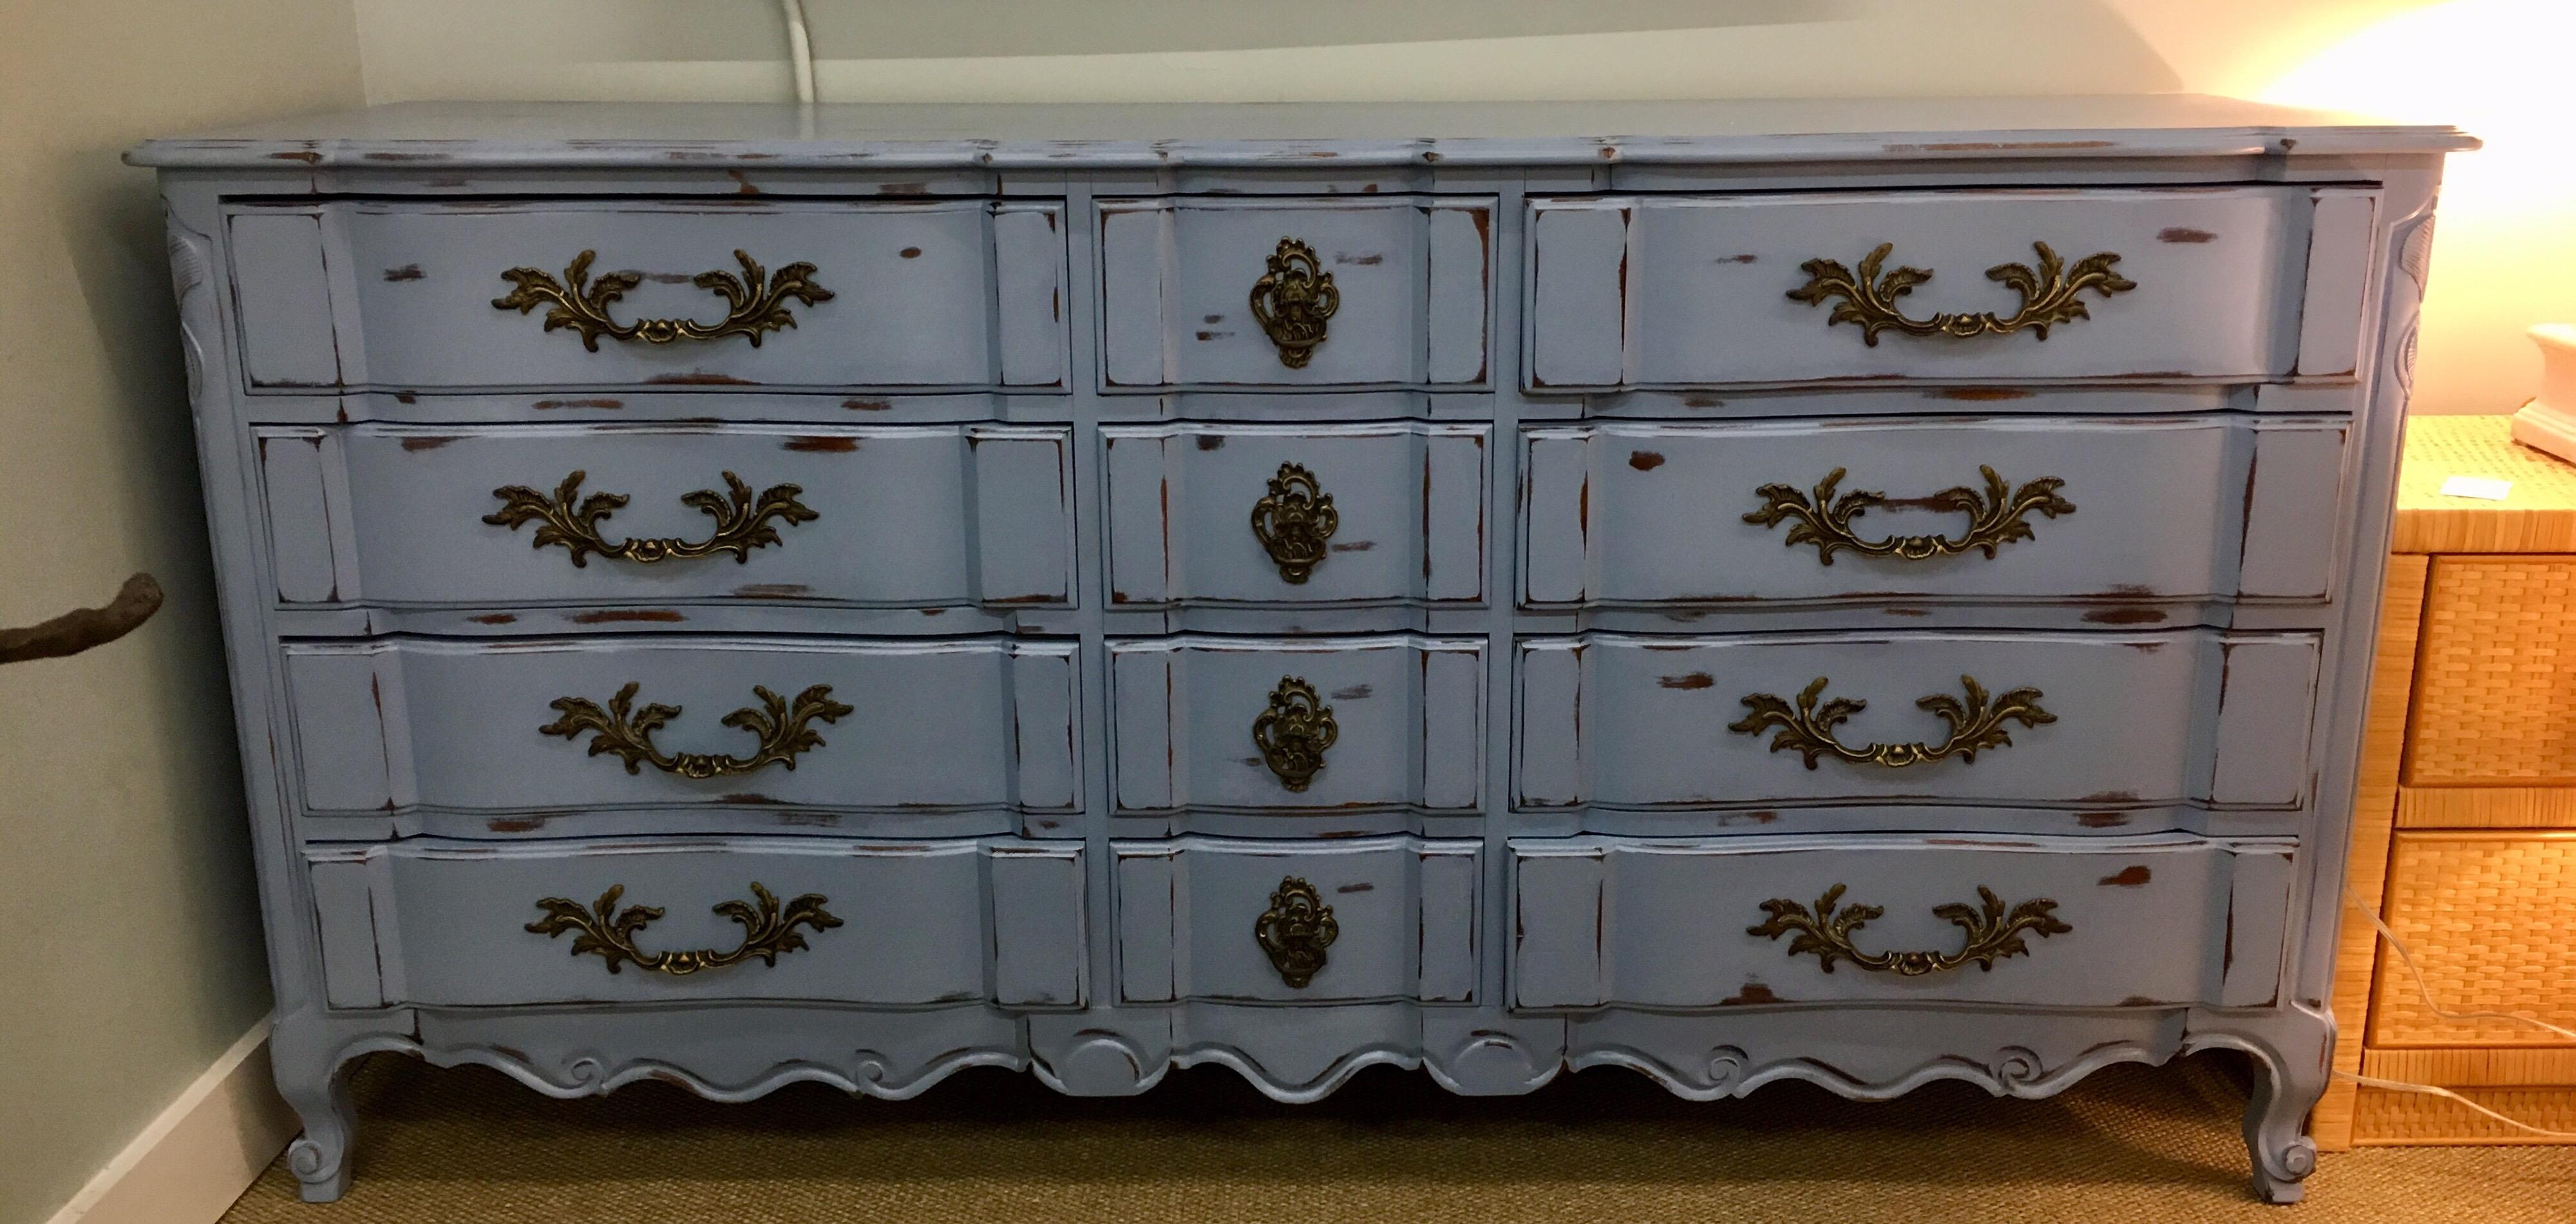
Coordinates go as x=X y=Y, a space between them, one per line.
x=2129 y=510
x=1403 y=920
x=1643 y=291
x=401 y=294
x=1668 y=923
x=926 y=516
x=1406 y=716
x=394 y=724
x=2123 y=719
x=2492 y=923
x=998 y=921
x=2495 y=685
x=1235 y=514
x=1409 y=273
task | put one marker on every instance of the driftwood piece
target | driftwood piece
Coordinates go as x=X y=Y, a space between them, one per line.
x=81 y=628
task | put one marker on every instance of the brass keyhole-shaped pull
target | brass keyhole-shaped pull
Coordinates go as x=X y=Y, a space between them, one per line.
x=1292 y=301
x=767 y=932
x=1293 y=521
x=627 y=732
x=1976 y=725
x=1993 y=934
x=1295 y=930
x=580 y=303
x=1294 y=732
x=1996 y=516
x=2048 y=295
x=742 y=522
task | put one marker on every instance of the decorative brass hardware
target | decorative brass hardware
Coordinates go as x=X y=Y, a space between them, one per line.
x=1294 y=732
x=767 y=932
x=742 y=524
x=1992 y=933
x=2048 y=296
x=629 y=733
x=750 y=309
x=1293 y=520
x=1973 y=727
x=1995 y=517
x=1295 y=930
x=1292 y=300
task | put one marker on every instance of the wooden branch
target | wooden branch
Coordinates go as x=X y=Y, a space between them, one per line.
x=81 y=628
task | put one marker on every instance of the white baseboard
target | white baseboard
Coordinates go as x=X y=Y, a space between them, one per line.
x=198 y=1156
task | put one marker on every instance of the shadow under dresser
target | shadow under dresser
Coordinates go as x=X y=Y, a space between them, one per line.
x=1859 y=592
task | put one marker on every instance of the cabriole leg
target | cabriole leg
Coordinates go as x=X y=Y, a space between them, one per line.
x=306 y=1053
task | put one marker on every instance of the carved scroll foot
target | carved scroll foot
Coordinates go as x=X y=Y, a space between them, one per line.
x=2292 y=1052
x=306 y=1054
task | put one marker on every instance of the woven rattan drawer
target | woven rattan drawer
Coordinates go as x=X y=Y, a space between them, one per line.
x=2495 y=684
x=2491 y=917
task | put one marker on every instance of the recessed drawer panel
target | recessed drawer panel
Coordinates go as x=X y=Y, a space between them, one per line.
x=2052 y=921
x=1297 y=922
x=1376 y=290
x=1790 y=287
x=997 y=921
x=656 y=722
x=1296 y=514
x=1297 y=724
x=2038 y=719
x=706 y=292
x=2124 y=510
x=896 y=516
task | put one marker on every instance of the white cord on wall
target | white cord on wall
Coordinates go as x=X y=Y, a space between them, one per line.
x=800 y=50
x=2407 y=956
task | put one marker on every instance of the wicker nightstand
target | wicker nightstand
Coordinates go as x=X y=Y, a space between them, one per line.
x=2465 y=828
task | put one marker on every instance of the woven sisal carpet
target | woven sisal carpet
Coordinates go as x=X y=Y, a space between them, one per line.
x=2131 y=1145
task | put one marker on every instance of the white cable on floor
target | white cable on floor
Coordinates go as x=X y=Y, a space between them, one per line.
x=2425 y=989
x=800 y=50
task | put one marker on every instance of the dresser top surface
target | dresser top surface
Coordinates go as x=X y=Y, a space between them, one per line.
x=2536 y=515
x=1066 y=136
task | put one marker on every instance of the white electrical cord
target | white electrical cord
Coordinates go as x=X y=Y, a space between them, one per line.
x=2407 y=956
x=800 y=50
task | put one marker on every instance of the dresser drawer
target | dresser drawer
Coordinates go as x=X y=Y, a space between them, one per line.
x=2068 y=922
x=2133 y=509
x=1291 y=922
x=752 y=292
x=2495 y=681
x=925 y=516
x=537 y=724
x=2492 y=923
x=441 y=923
x=1782 y=287
x=1373 y=290
x=1297 y=724
x=1296 y=514
x=2055 y=719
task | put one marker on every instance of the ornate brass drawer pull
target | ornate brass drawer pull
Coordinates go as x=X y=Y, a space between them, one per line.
x=767 y=932
x=628 y=732
x=750 y=310
x=1293 y=521
x=1292 y=301
x=2048 y=296
x=1973 y=726
x=742 y=523
x=1996 y=517
x=1992 y=933
x=1294 y=732
x=1295 y=930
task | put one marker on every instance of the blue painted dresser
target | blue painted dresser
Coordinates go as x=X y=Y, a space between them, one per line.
x=1857 y=592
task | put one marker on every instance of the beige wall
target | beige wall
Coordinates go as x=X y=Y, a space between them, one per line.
x=126 y=904
x=2479 y=63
